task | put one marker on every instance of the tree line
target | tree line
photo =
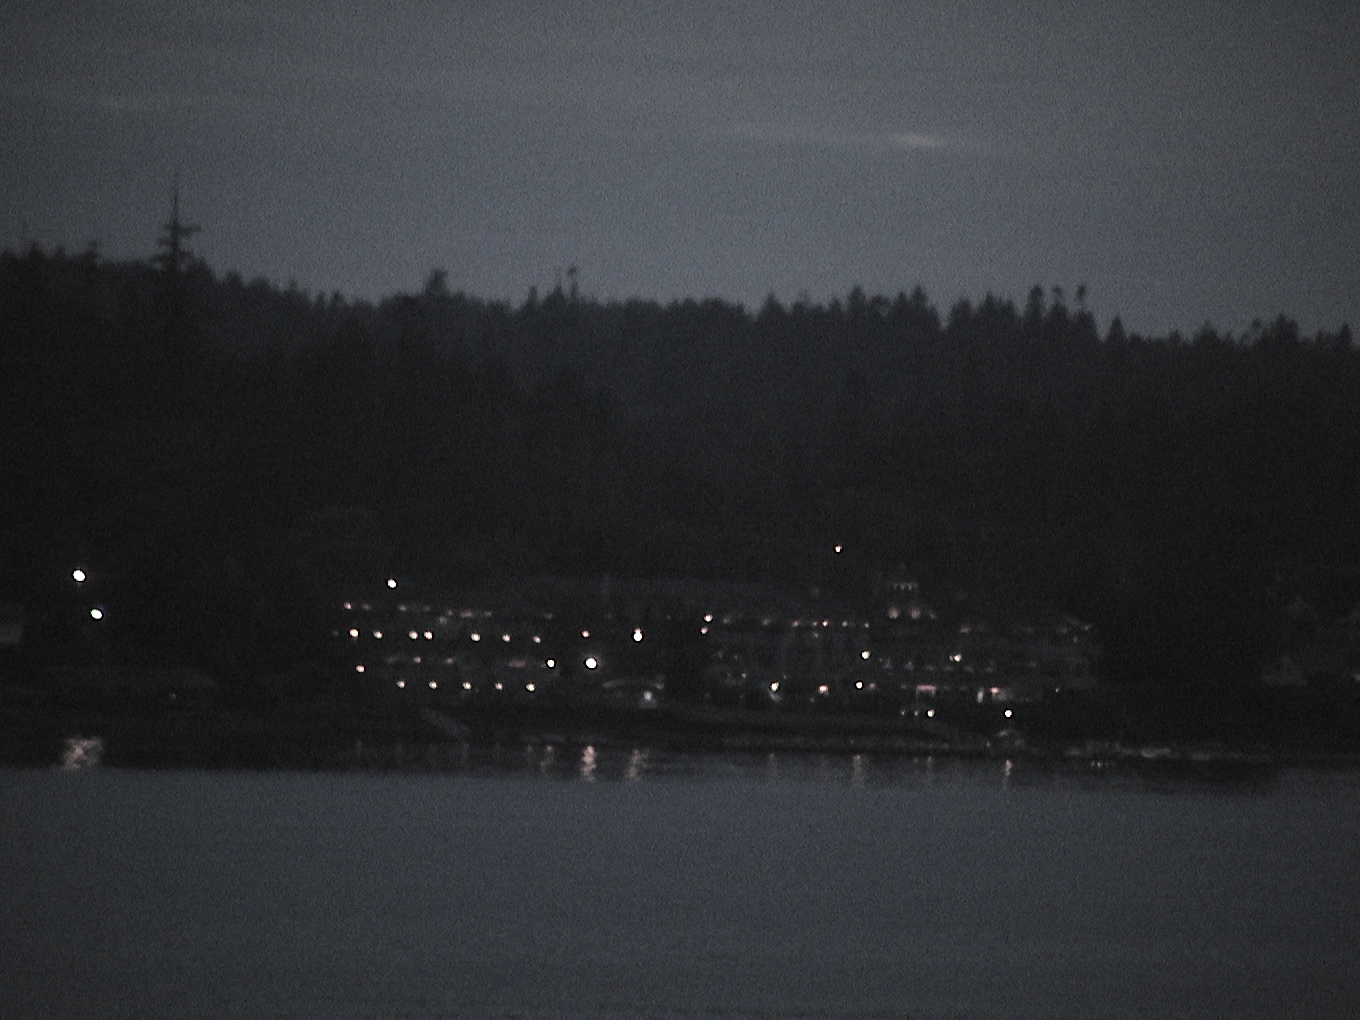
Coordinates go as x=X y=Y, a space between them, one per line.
x=221 y=453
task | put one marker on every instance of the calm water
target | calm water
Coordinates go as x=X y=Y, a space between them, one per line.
x=537 y=884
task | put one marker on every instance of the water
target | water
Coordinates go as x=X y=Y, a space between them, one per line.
x=536 y=883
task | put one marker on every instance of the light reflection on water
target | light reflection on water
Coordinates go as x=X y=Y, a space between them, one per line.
x=547 y=880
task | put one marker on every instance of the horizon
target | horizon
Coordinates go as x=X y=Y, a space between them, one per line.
x=1185 y=163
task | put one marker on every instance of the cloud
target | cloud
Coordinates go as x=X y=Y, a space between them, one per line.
x=902 y=141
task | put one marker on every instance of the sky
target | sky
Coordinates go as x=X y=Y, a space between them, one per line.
x=1186 y=160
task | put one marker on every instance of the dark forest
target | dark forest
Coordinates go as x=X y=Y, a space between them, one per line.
x=222 y=453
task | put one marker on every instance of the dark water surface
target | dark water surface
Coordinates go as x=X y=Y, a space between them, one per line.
x=539 y=883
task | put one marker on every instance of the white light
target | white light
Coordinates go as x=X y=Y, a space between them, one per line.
x=637 y=633
x=537 y=640
x=348 y=605
x=78 y=576
x=859 y=685
x=1009 y=713
x=774 y=687
x=703 y=630
x=412 y=635
x=378 y=634
x=354 y=632
x=864 y=654
x=585 y=633
x=551 y=663
x=530 y=688
x=708 y=618
x=591 y=662
x=391 y=582
x=429 y=635
x=930 y=713
x=467 y=685
x=358 y=669
x=433 y=684
x=475 y=636
x=401 y=684
x=96 y=613
x=505 y=638
x=500 y=686
x=956 y=657
x=838 y=549
x=823 y=689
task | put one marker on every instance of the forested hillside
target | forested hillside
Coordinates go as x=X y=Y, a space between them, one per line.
x=219 y=452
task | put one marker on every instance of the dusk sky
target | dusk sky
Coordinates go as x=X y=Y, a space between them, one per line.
x=1187 y=161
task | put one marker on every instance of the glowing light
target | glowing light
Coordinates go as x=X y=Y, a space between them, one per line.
x=475 y=636
x=354 y=632
x=505 y=638
x=96 y=613
x=591 y=662
x=551 y=663
x=956 y=657
x=78 y=576
x=467 y=685
x=391 y=582
x=429 y=635
x=859 y=685
x=401 y=684
x=1009 y=713
x=930 y=713
x=823 y=689
x=530 y=688
x=434 y=684
x=637 y=633
x=500 y=686
x=358 y=669
x=537 y=640
x=378 y=634
x=412 y=635
x=774 y=687
x=708 y=618
x=347 y=605
x=585 y=633
x=703 y=630
x=838 y=549
x=864 y=654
